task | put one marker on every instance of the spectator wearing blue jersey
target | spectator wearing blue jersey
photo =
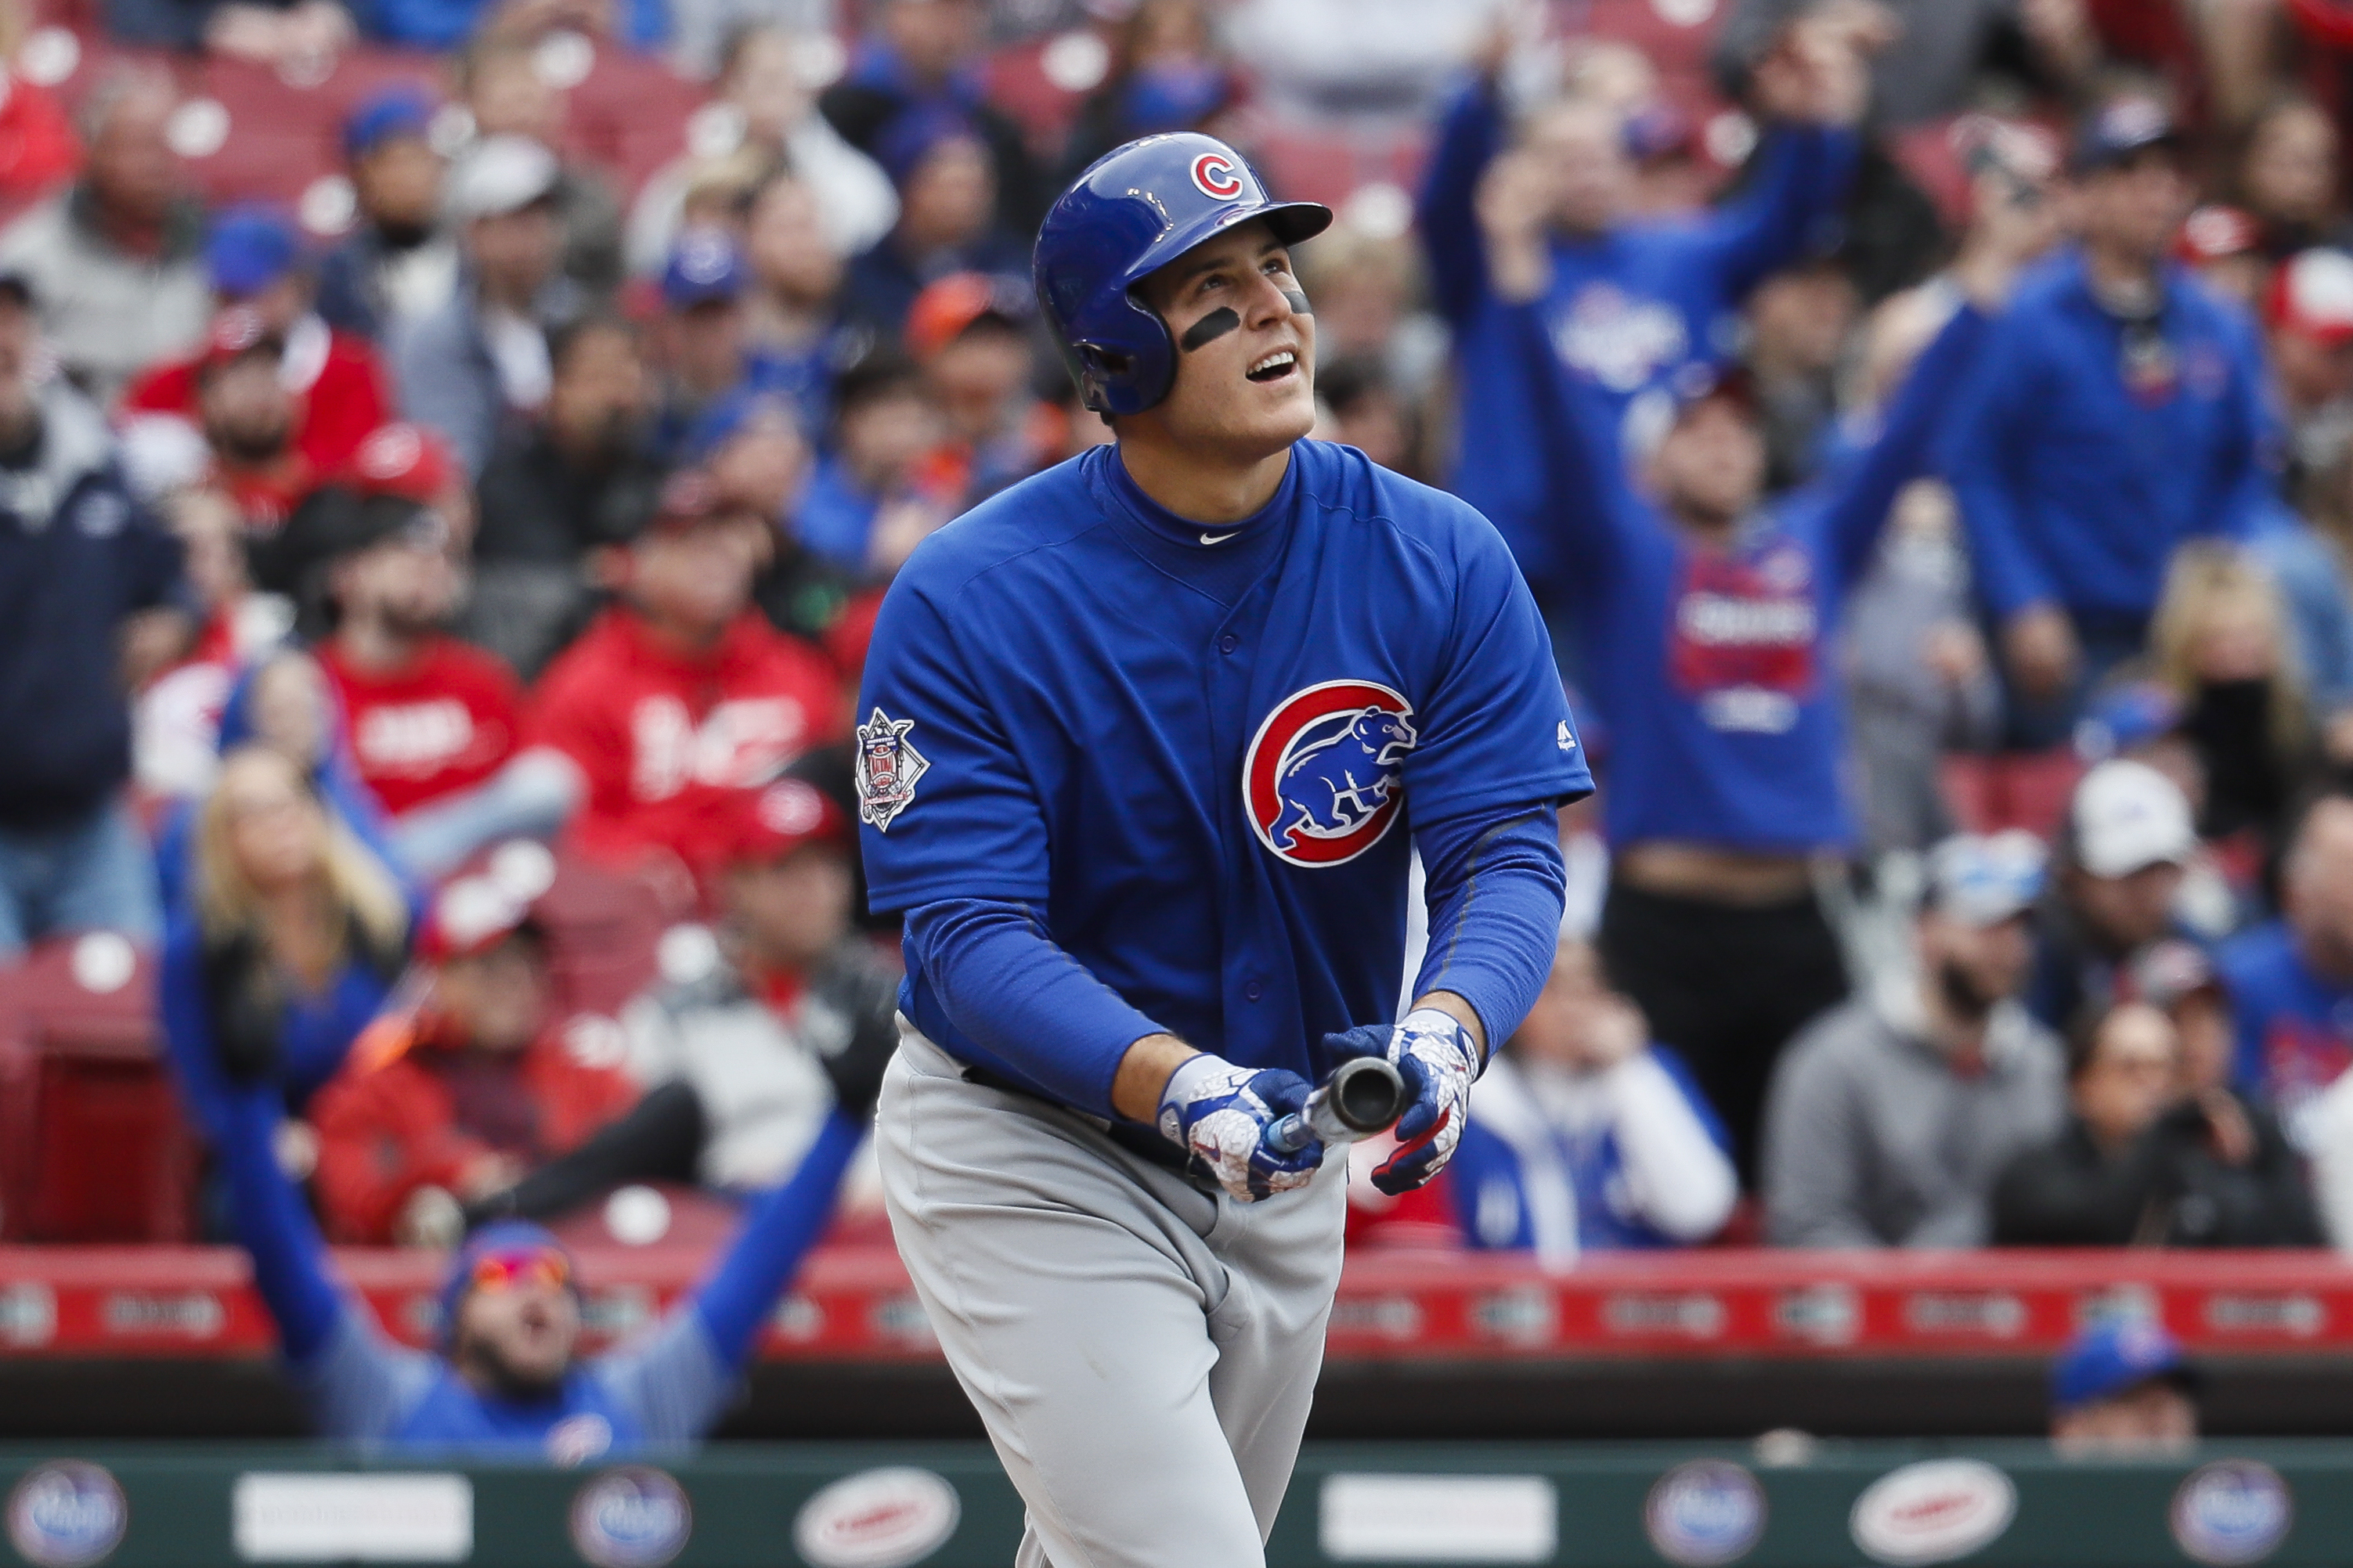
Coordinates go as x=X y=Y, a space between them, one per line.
x=1703 y=623
x=2118 y=411
x=508 y=1379
x=1892 y=1118
x=1625 y=304
x=948 y=180
x=1584 y=1136
x=699 y=337
x=395 y=261
x=2291 y=981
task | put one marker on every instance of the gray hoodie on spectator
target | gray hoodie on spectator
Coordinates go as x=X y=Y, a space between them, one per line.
x=1872 y=1139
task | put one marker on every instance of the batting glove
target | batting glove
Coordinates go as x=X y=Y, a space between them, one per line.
x=1219 y=1114
x=1438 y=1059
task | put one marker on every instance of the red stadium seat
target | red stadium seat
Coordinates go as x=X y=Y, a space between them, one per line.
x=92 y=1144
x=2028 y=790
x=628 y=118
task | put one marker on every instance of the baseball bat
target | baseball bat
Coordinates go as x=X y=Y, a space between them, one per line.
x=1364 y=1095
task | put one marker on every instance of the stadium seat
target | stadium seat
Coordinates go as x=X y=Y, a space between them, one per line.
x=92 y=1144
x=2025 y=789
x=628 y=118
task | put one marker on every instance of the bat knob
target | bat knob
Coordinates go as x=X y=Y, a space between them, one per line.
x=1368 y=1094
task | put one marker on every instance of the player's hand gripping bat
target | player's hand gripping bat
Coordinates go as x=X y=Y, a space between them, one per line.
x=1364 y=1095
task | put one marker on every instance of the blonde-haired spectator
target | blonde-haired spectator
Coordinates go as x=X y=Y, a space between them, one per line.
x=292 y=938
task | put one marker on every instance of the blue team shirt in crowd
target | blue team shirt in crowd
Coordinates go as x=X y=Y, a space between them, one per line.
x=2078 y=473
x=1713 y=669
x=1201 y=764
x=2295 y=1027
x=1626 y=310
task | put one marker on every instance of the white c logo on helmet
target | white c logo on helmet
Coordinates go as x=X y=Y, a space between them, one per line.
x=1214 y=173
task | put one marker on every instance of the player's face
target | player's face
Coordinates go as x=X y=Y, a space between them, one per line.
x=1245 y=386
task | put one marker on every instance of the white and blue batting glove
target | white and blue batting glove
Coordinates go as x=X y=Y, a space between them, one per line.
x=1439 y=1061
x=1220 y=1113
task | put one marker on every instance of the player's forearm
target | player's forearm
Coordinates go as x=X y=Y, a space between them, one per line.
x=1497 y=887
x=1004 y=984
x=1144 y=1075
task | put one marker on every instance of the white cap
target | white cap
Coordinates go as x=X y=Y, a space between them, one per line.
x=501 y=174
x=2126 y=815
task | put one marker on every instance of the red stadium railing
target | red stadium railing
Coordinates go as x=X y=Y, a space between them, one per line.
x=853 y=1303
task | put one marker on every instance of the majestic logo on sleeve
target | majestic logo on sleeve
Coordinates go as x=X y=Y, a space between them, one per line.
x=1320 y=780
x=1214 y=173
x=888 y=767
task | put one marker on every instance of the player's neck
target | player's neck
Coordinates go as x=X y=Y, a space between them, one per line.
x=1198 y=486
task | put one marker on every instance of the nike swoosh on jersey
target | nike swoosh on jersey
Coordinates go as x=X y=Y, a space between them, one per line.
x=1217 y=537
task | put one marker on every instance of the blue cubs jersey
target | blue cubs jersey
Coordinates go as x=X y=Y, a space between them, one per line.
x=1198 y=755
x=1714 y=667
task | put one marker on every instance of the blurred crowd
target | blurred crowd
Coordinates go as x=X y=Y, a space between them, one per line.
x=1926 y=426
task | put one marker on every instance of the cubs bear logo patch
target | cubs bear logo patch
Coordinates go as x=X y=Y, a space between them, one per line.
x=887 y=768
x=1320 y=782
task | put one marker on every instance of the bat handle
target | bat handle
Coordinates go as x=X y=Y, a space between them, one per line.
x=1364 y=1095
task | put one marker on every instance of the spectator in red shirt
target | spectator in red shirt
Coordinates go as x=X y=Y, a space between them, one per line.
x=429 y=716
x=334 y=385
x=460 y=1098
x=680 y=698
x=248 y=419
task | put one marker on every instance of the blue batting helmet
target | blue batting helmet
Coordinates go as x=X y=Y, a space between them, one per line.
x=1134 y=210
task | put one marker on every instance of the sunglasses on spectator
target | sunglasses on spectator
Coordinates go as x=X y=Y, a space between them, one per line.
x=542 y=1266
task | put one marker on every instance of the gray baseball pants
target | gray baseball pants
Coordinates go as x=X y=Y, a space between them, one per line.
x=1142 y=1351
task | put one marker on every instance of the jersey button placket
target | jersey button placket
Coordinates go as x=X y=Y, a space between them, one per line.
x=1252 y=991
x=1227 y=643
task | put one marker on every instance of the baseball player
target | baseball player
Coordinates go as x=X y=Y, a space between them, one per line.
x=1146 y=741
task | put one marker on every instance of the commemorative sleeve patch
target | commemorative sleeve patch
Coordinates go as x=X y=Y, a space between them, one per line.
x=888 y=767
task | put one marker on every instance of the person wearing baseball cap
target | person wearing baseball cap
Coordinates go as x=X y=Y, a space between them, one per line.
x=975 y=337
x=1892 y=1116
x=678 y=700
x=2124 y=850
x=335 y=388
x=460 y=1094
x=700 y=333
x=396 y=260
x=2123 y=1389
x=2224 y=246
x=2308 y=318
x=2148 y=426
x=248 y=417
x=1704 y=610
x=431 y=717
x=508 y=1378
x=751 y=445
x=479 y=362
